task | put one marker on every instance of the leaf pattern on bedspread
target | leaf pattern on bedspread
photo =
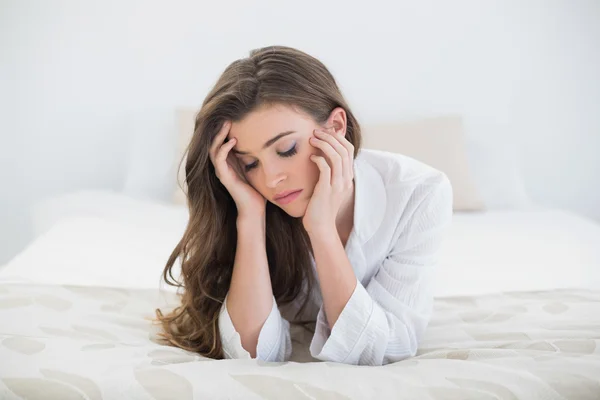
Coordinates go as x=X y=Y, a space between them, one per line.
x=68 y=342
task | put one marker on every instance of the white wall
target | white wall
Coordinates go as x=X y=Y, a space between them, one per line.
x=72 y=71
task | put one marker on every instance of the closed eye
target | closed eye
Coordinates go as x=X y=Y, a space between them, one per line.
x=288 y=153
x=250 y=166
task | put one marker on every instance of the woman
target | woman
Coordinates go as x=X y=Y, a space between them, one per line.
x=287 y=213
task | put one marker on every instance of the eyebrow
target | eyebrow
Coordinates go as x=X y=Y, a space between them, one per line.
x=269 y=142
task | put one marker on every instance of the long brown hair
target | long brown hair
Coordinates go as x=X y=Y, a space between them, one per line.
x=270 y=75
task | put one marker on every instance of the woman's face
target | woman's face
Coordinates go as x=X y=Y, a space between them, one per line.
x=273 y=151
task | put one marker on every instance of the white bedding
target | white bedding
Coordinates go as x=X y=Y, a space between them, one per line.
x=73 y=306
x=70 y=342
x=108 y=239
x=536 y=249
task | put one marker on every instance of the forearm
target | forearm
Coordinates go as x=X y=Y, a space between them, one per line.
x=250 y=297
x=336 y=275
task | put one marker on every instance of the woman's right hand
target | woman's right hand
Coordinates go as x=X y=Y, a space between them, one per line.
x=247 y=199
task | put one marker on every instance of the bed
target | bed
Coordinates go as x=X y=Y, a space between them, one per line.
x=516 y=316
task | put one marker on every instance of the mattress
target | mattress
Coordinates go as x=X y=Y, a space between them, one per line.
x=84 y=342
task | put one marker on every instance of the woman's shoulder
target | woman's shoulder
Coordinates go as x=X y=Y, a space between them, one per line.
x=393 y=189
x=401 y=172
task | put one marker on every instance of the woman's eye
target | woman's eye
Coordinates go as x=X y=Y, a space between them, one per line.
x=250 y=166
x=289 y=153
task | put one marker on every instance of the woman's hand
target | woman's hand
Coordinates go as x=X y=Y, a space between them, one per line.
x=335 y=180
x=227 y=168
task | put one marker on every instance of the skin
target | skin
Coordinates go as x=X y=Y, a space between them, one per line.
x=270 y=173
x=322 y=166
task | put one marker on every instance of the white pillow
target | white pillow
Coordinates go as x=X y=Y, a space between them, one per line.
x=107 y=205
x=98 y=237
x=436 y=141
x=186 y=119
x=496 y=173
x=484 y=172
x=492 y=179
x=152 y=150
x=96 y=251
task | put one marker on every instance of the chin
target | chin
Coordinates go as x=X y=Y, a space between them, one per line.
x=294 y=210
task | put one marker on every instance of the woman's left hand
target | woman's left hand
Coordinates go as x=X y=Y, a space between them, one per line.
x=335 y=180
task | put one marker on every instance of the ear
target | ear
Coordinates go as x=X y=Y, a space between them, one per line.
x=337 y=120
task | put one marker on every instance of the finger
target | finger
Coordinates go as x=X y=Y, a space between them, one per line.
x=236 y=165
x=220 y=159
x=224 y=150
x=335 y=159
x=341 y=136
x=324 y=170
x=350 y=149
x=219 y=138
x=334 y=140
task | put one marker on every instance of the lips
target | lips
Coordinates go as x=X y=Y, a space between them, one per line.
x=287 y=196
x=286 y=193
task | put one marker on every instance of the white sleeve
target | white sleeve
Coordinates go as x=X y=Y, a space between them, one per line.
x=274 y=342
x=384 y=321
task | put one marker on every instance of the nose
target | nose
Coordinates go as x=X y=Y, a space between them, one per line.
x=273 y=175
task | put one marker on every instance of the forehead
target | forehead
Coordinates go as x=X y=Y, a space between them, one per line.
x=267 y=121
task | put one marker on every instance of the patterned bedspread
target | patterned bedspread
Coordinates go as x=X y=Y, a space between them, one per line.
x=70 y=342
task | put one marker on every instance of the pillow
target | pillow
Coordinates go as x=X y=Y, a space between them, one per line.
x=436 y=141
x=150 y=170
x=497 y=175
x=439 y=142
x=97 y=251
x=99 y=238
x=106 y=204
x=484 y=173
x=186 y=119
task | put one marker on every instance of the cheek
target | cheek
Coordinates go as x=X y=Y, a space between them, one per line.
x=256 y=182
x=311 y=169
x=300 y=169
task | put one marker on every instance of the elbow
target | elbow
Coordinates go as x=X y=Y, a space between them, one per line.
x=397 y=348
x=407 y=347
x=391 y=358
x=247 y=348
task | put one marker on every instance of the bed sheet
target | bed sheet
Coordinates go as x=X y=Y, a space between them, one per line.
x=62 y=341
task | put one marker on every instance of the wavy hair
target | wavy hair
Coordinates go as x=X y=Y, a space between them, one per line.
x=270 y=75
